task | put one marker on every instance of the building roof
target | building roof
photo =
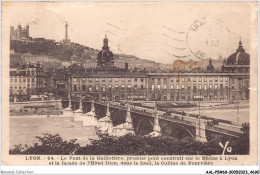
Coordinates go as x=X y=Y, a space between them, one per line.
x=240 y=57
x=99 y=73
x=17 y=73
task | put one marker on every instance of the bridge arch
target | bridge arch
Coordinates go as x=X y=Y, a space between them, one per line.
x=181 y=126
x=117 y=116
x=140 y=122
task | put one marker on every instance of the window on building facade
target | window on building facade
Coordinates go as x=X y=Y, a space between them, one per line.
x=194 y=87
x=188 y=86
x=226 y=79
x=129 y=86
x=129 y=79
x=110 y=79
x=210 y=79
x=171 y=86
x=200 y=86
x=194 y=79
x=103 y=88
x=24 y=80
x=142 y=80
x=97 y=79
x=221 y=79
x=83 y=87
x=216 y=79
x=177 y=79
x=103 y=80
x=226 y=86
x=152 y=87
x=205 y=79
x=90 y=88
x=116 y=80
x=164 y=86
x=159 y=79
x=135 y=86
x=109 y=86
x=205 y=86
x=188 y=79
x=142 y=87
x=90 y=79
x=83 y=79
x=216 y=86
x=221 y=86
x=123 y=80
x=159 y=87
x=172 y=80
x=183 y=79
x=75 y=87
x=177 y=86
x=210 y=86
x=135 y=79
x=200 y=79
x=233 y=87
x=182 y=86
x=96 y=87
x=123 y=86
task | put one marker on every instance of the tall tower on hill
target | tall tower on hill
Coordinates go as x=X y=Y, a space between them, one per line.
x=66 y=40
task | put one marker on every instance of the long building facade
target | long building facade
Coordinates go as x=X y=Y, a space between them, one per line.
x=107 y=82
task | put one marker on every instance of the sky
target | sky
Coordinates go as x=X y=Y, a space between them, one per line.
x=157 y=31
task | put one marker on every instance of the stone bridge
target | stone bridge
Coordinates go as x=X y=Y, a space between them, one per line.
x=118 y=119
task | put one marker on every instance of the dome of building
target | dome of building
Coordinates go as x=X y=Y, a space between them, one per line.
x=105 y=56
x=240 y=57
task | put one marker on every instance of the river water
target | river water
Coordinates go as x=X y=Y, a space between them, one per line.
x=24 y=129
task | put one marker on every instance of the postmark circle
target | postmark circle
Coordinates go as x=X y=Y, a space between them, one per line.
x=208 y=38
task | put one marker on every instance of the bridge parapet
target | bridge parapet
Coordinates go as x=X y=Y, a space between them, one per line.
x=201 y=125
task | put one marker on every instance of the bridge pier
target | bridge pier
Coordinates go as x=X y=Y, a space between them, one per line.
x=124 y=128
x=91 y=116
x=128 y=121
x=88 y=119
x=201 y=130
x=58 y=105
x=79 y=112
x=105 y=124
x=68 y=112
x=156 y=127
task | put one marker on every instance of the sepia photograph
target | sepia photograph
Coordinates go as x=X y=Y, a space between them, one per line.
x=130 y=79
